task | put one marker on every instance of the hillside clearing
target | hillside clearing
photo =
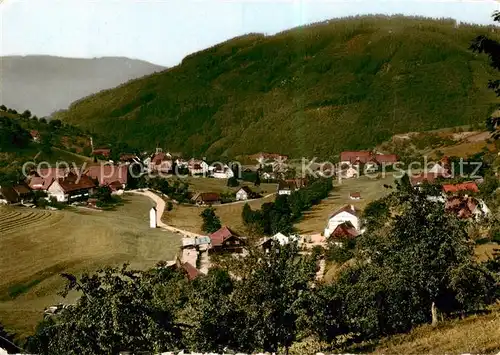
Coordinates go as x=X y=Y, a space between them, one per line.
x=314 y=221
x=35 y=246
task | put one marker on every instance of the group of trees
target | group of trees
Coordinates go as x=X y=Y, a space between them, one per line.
x=176 y=189
x=12 y=135
x=417 y=265
x=278 y=216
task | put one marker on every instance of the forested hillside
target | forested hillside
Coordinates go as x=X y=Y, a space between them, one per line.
x=315 y=90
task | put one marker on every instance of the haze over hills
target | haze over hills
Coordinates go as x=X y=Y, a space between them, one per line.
x=313 y=91
x=44 y=84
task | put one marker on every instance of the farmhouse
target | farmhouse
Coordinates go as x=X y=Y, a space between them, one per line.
x=71 y=188
x=372 y=160
x=206 y=198
x=244 y=194
x=344 y=231
x=197 y=167
x=222 y=172
x=467 y=207
x=348 y=213
x=226 y=241
x=114 y=176
x=42 y=178
x=349 y=173
x=19 y=193
x=160 y=162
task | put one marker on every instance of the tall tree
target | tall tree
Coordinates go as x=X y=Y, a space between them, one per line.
x=119 y=310
x=211 y=223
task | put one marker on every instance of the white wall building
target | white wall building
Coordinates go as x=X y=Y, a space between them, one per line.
x=347 y=213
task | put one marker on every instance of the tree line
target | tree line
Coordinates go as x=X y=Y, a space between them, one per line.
x=279 y=216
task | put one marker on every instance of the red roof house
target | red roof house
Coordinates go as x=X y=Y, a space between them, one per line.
x=345 y=230
x=107 y=174
x=226 y=240
x=465 y=186
x=355 y=157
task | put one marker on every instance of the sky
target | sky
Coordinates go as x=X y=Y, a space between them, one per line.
x=165 y=31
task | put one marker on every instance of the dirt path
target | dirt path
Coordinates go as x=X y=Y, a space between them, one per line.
x=160 y=208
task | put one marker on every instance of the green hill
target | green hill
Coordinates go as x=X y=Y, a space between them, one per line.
x=315 y=90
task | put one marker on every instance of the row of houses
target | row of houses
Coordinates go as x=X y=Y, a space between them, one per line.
x=67 y=185
x=165 y=163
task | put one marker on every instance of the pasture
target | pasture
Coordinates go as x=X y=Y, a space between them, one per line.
x=314 y=220
x=36 y=246
x=187 y=217
x=201 y=184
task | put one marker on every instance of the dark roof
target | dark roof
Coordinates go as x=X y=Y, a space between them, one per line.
x=347 y=208
x=345 y=230
x=287 y=185
x=105 y=174
x=21 y=189
x=101 y=151
x=191 y=271
x=355 y=194
x=75 y=183
x=218 y=238
x=9 y=194
x=209 y=196
x=246 y=189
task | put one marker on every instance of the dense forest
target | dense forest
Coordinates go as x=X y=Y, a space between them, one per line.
x=311 y=91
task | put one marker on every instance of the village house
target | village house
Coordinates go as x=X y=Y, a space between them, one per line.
x=71 y=188
x=206 y=198
x=269 y=158
x=160 y=162
x=19 y=193
x=349 y=173
x=277 y=239
x=222 y=172
x=371 y=160
x=197 y=167
x=286 y=187
x=226 y=241
x=189 y=270
x=114 y=176
x=41 y=179
x=244 y=193
x=355 y=196
x=348 y=213
x=344 y=231
x=467 y=207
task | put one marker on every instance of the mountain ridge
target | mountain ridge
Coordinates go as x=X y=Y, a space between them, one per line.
x=310 y=91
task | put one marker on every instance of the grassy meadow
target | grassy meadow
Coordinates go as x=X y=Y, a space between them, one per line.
x=35 y=246
x=314 y=220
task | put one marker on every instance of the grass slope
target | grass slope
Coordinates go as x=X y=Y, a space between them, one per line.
x=314 y=91
x=38 y=245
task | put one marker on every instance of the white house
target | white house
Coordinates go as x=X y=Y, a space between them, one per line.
x=152 y=218
x=350 y=173
x=438 y=169
x=243 y=194
x=283 y=239
x=223 y=173
x=71 y=188
x=348 y=213
x=197 y=167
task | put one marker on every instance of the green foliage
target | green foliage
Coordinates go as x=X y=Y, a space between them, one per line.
x=119 y=309
x=370 y=77
x=211 y=223
x=12 y=135
x=233 y=182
